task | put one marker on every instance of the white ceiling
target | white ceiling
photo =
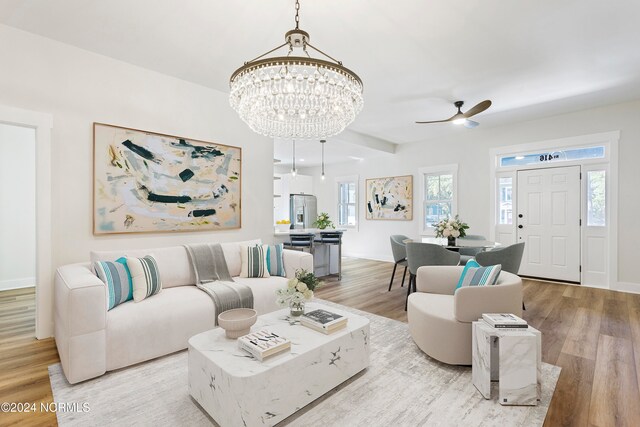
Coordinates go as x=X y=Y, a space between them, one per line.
x=309 y=154
x=533 y=58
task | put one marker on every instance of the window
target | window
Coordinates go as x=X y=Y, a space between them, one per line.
x=553 y=156
x=596 y=198
x=348 y=202
x=505 y=204
x=438 y=195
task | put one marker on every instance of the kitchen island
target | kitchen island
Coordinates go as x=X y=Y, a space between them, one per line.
x=326 y=257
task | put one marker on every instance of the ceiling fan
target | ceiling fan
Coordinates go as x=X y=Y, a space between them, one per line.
x=461 y=118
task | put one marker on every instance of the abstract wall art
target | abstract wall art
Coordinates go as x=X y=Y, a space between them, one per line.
x=389 y=198
x=149 y=182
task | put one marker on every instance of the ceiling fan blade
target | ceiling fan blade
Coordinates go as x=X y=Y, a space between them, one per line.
x=439 y=121
x=470 y=124
x=477 y=109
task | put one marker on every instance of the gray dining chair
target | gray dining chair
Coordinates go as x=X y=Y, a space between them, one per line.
x=399 y=251
x=421 y=254
x=510 y=257
x=467 y=254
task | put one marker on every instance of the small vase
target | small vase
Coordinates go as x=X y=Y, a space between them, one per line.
x=451 y=241
x=296 y=308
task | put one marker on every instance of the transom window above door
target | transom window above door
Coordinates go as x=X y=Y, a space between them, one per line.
x=439 y=198
x=545 y=157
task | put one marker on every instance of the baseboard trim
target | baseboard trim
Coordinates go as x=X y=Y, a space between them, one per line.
x=26 y=282
x=631 y=287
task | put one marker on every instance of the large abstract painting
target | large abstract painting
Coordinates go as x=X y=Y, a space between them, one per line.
x=390 y=198
x=149 y=182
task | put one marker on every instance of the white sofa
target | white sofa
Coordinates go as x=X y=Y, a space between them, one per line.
x=92 y=340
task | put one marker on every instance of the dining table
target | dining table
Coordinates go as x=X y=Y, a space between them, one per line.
x=461 y=243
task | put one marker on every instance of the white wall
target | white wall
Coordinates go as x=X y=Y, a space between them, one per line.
x=78 y=88
x=470 y=149
x=17 y=207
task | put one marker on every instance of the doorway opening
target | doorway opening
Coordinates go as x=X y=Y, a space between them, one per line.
x=17 y=230
x=558 y=197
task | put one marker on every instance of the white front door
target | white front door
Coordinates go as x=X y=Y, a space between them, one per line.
x=548 y=221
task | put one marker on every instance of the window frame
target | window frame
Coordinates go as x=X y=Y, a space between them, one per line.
x=423 y=173
x=351 y=179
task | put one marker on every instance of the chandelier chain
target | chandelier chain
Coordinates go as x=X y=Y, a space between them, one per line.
x=297 y=14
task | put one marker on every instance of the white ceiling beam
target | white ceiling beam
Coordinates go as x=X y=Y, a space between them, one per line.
x=368 y=141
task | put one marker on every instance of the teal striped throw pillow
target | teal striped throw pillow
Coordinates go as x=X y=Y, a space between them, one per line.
x=118 y=280
x=480 y=276
x=145 y=277
x=254 y=261
x=275 y=260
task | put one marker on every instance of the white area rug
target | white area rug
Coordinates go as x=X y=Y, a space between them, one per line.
x=402 y=387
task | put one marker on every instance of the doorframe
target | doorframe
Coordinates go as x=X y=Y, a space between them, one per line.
x=43 y=124
x=610 y=141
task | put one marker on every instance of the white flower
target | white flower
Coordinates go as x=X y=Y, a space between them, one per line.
x=455 y=233
x=302 y=287
x=450 y=227
x=446 y=233
x=293 y=283
x=450 y=221
x=308 y=294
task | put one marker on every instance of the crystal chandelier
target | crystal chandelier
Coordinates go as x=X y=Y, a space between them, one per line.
x=296 y=96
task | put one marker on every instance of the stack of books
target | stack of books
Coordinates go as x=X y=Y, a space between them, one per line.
x=263 y=344
x=323 y=321
x=504 y=321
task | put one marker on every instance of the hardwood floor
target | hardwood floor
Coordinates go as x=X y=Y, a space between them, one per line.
x=24 y=360
x=593 y=334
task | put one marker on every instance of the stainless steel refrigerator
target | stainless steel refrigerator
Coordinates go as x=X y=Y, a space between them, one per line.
x=303 y=210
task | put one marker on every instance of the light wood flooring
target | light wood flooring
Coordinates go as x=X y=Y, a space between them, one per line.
x=593 y=334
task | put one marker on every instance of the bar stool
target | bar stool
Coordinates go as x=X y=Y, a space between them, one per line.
x=328 y=239
x=300 y=242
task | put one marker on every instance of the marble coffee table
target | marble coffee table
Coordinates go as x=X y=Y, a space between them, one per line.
x=235 y=389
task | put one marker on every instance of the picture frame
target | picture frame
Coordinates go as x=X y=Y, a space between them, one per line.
x=389 y=198
x=149 y=182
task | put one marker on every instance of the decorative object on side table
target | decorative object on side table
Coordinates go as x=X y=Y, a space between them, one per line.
x=389 y=198
x=237 y=322
x=451 y=228
x=299 y=290
x=323 y=221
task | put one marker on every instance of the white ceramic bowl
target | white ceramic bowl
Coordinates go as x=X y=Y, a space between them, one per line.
x=238 y=321
x=283 y=227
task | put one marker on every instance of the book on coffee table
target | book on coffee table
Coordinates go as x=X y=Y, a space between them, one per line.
x=263 y=344
x=504 y=321
x=323 y=321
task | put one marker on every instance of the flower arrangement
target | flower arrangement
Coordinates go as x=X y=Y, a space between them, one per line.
x=451 y=227
x=299 y=289
x=323 y=221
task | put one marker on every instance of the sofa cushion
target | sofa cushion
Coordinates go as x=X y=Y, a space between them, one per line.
x=264 y=292
x=254 y=261
x=275 y=260
x=472 y=263
x=157 y=326
x=173 y=263
x=145 y=277
x=480 y=276
x=232 y=254
x=117 y=278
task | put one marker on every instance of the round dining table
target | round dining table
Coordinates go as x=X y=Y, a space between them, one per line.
x=461 y=243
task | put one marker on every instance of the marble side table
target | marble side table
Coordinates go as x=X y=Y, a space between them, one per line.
x=513 y=357
x=235 y=389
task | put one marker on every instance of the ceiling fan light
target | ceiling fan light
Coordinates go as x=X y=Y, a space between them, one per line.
x=459 y=121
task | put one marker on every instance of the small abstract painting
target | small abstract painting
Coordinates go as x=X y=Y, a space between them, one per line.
x=147 y=182
x=390 y=198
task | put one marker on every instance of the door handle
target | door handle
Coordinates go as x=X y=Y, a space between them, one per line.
x=521 y=226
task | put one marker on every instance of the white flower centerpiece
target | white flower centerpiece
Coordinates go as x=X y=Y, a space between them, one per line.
x=451 y=228
x=299 y=290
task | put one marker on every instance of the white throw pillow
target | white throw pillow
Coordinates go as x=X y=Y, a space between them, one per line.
x=254 y=261
x=145 y=277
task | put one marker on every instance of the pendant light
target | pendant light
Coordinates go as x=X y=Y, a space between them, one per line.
x=322 y=142
x=296 y=95
x=293 y=169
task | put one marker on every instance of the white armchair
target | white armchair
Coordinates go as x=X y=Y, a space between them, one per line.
x=440 y=315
